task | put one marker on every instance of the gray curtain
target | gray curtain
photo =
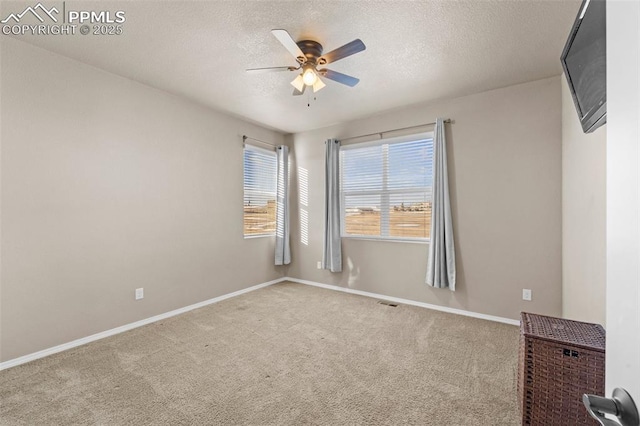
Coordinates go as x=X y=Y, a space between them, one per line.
x=283 y=249
x=441 y=264
x=332 y=255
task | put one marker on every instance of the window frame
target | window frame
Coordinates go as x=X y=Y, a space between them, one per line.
x=259 y=149
x=384 y=193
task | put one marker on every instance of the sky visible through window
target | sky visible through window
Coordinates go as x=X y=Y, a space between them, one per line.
x=409 y=165
x=259 y=176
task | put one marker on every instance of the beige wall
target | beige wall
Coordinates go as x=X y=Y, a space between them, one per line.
x=505 y=173
x=109 y=185
x=583 y=217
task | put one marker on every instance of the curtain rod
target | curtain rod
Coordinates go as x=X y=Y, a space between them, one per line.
x=245 y=137
x=448 y=120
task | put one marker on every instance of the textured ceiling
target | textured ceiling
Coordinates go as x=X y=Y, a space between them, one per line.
x=417 y=51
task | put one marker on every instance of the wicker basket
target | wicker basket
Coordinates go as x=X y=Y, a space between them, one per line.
x=559 y=360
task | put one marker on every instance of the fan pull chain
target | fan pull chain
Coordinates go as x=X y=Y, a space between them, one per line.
x=309 y=99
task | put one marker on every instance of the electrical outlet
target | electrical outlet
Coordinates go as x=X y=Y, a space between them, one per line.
x=526 y=294
x=319 y=264
x=139 y=293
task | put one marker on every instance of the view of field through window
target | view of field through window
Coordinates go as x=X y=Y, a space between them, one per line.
x=260 y=219
x=411 y=221
x=386 y=189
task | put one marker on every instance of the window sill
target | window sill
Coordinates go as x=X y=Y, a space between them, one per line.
x=252 y=237
x=388 y=240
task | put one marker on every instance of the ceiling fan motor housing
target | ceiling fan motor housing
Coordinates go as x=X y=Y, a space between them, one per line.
x=312 y=51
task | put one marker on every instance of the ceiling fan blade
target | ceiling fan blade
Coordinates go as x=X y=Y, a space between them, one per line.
x=342 y=52
x=297 y=92
x=288 y=42
x=269 y=69
x=339 y=77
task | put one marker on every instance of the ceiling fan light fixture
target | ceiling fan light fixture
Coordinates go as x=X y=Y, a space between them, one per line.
x=309 y=76
x=298 y=83
x=319 y=84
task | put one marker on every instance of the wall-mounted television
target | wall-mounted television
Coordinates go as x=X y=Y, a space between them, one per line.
x=584 y=60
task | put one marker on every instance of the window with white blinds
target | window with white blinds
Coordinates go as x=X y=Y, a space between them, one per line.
x=259 y=191
x=386 y=188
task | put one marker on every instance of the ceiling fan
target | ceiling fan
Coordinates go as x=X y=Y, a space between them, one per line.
x=308 y=54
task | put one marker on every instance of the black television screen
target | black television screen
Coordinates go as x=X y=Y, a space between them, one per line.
x=584 y=60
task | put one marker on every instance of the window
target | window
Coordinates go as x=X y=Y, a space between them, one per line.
x=259 y=191
x=386 y=188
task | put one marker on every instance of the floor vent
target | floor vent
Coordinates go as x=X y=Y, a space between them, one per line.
x=384 y=302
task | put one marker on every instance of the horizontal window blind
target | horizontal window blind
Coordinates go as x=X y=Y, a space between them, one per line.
x=259 y=191
x=386 y=188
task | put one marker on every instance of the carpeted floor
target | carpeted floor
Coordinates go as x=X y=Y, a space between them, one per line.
x=285 y=354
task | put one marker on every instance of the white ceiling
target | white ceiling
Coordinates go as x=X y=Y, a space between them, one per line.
x=417 y=51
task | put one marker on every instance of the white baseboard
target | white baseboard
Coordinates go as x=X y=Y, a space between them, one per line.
x=407 y=302
x=78 y=342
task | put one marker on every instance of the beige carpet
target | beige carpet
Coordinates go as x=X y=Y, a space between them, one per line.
x=285 y=354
